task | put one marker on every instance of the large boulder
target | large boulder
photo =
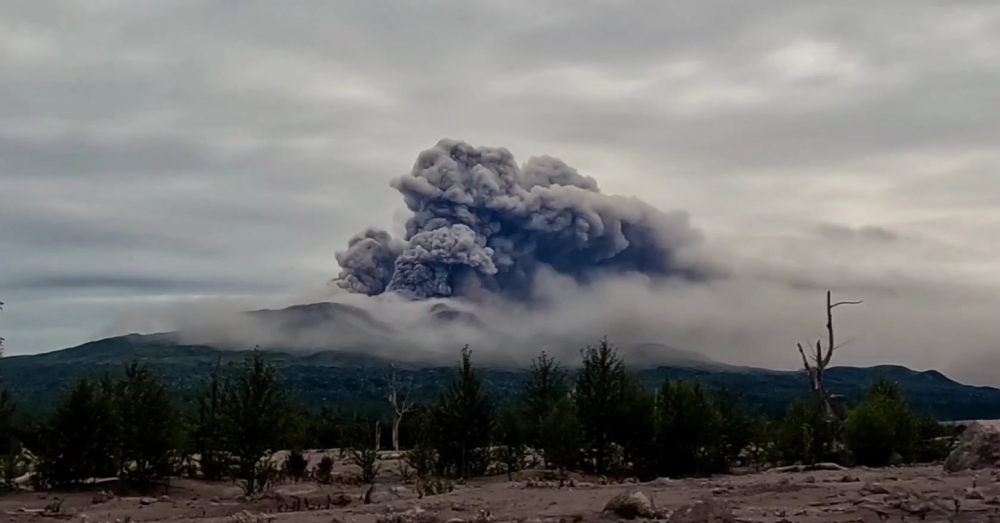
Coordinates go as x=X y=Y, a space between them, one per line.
x=978 y=448
x=632 y=504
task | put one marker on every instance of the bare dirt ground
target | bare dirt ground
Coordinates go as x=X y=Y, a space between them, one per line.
x=856 y=495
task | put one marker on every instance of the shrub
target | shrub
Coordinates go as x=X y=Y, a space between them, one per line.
x=510 y=437
x=805 y=435
x=367 y=460
x=422 y=459
x=324 y=470
x=560 y=436
x=295 y=465
x=689 y=431
x=880 y=426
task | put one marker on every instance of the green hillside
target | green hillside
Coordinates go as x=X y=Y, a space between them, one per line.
x=355 y=382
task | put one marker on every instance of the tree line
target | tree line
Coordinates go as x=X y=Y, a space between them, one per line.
x=602 y=421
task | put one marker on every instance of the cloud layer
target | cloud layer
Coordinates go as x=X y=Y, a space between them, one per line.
x=156 y=153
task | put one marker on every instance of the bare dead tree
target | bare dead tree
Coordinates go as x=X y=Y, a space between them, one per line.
x=820 y=359
x=1 y=337
x=399 y=398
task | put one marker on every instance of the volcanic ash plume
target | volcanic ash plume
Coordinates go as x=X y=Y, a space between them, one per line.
x=481 y=223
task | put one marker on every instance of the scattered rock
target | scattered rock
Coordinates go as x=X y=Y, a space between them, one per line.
x=414 y=515
x=249 y=517
x=873 y=488
x=165 y=499
x=805 y=468
x=809 y=479
x=977 y=448
x=103 y=496
x=895 y=459
x=704 y=511
x=147 y=501
x=848 y=478
x=974 y=493
x=632 y=504
x=378 y=494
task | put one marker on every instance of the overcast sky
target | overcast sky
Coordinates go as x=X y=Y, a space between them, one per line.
x=160 y=151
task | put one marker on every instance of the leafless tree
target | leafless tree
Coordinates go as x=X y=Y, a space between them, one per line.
x=820 y=360
x=399 y=398
x=1 y=337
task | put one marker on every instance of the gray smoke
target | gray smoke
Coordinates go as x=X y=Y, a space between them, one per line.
x=481 y=222
x=369 y=261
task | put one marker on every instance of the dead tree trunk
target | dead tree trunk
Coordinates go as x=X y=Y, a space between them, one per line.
x=821 y=359
x=1 y=337
x=399 y=398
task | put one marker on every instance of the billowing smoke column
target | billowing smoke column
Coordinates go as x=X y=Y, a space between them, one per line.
x=481 y=223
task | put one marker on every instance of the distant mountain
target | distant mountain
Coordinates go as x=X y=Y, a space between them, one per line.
x=353 y=379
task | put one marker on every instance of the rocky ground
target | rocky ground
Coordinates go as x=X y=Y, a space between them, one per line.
x=856 y=495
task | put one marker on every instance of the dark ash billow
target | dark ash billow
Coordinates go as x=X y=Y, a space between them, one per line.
x=483 y=224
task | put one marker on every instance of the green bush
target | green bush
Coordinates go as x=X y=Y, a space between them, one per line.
x=559 y=436
x=689 y=431
x=881 y=426
x=511 y=441
x=805 y=435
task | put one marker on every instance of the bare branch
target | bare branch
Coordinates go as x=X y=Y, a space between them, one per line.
x=839 y=303
x=839 y=345
x=804 y=360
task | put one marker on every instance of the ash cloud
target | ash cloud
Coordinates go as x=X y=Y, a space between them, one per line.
x=483 y=224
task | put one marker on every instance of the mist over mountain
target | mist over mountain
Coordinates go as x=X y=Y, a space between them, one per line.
x=351 y=378
x=513 y=259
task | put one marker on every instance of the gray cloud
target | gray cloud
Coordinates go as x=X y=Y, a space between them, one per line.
x=164 y=151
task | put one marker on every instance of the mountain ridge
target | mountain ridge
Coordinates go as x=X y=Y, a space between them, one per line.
x=346 y=379
x=342 y=353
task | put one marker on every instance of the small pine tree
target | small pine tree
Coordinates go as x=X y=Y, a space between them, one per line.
x=7 y=412
x=599 y=389
x=880 y=426
x=364 y=438
x=689 y=431
x=462 y=423
x=545 y=387
x=636 y=437
x=511 y=441
x=77 y=440
x=738 y=427
x=253 y=413
x=295 y=465
x=208 y=437
x=148 y=438
x=12 y=461
x=560 y=436
x=806 y=434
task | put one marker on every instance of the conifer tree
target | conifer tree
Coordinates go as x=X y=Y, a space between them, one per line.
x=599 y=391
x=462 y=423
x=254 y=411
x=208 y=435
x=545 y=387
x=149 y=421
x=78 y=442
